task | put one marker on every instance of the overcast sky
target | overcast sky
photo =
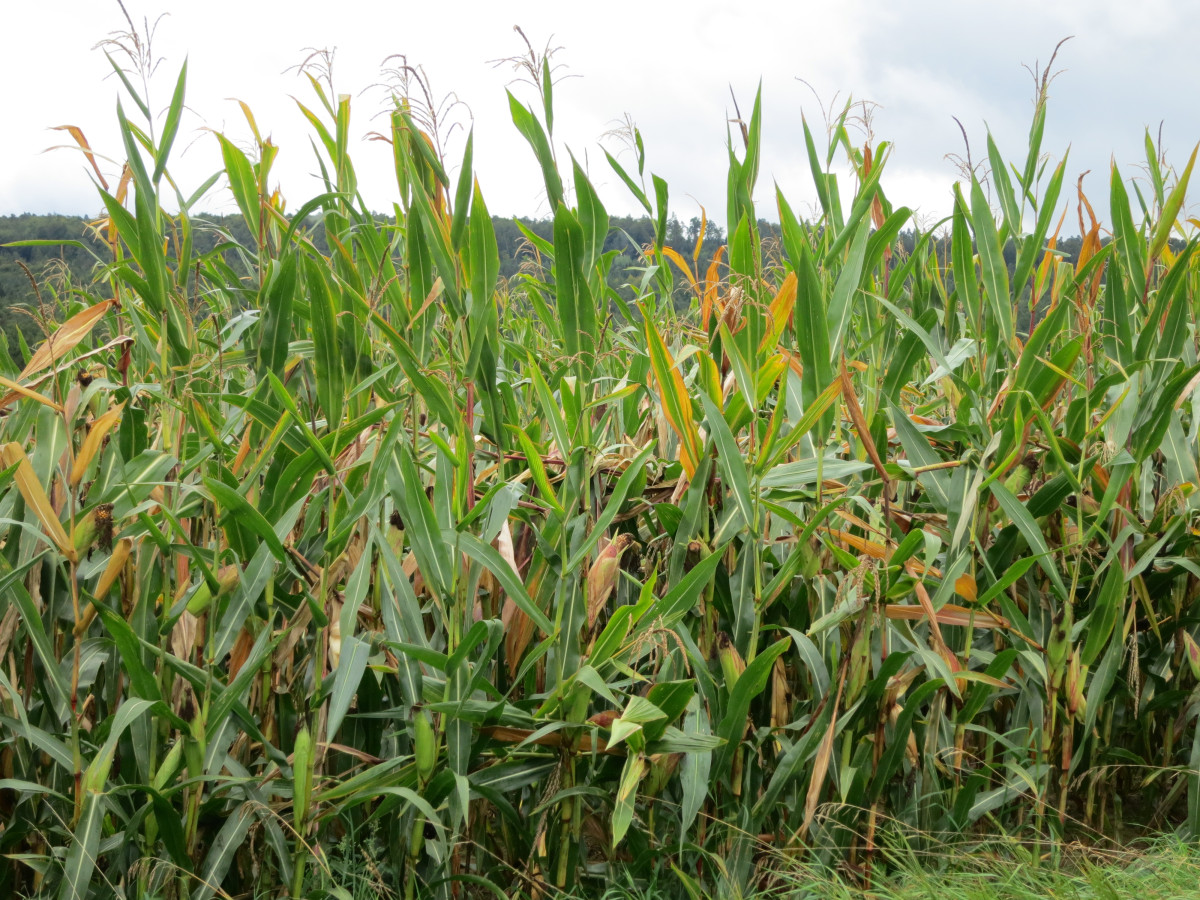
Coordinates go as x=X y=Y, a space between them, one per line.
x=667 y=65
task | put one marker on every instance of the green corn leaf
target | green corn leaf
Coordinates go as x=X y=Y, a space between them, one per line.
x=992 y=265
x=1035 y=242
x=327 y=358
x=12 y=587
x=841 y=304
x=749 y=685
x=243 y=184
x=811 y=315
x=1032 y=533
x=572 y=298
x=490 y=559
x=171 y=126
x=1170 y=212
x=346 y=679
x=238 y=506
x=221 y=853
x=631 y=777
x=729 y=457
x=1004 y=189
x=1131 y=248
x=275 y=327
x=893 y=754
x=421 y=525
x=860 y=211
x=85 y=845
x=593 y=219
x=629 y=182
x=95 y=779
x=531 y=129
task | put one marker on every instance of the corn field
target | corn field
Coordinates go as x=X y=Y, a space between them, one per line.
x=342 y=568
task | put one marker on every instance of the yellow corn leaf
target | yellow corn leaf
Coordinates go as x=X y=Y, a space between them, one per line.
x=673 y=395
x=434 y=293
x=15 y=388
x=793 y=362
x=518 y=632
x=674 y=257
x=504 y=544
x=108 y=578
x=1049 y=261
x=877 y=551
x=243 y=452
x=35 y=497
x=700 y=238
x=712 y=281
x=123 y=184
x=249 y=118
x=856 y=521
x=91 y=443
x=964 y=585
x=506 y=735
x=780 y=312
x=1085 y=203
x=862 y=545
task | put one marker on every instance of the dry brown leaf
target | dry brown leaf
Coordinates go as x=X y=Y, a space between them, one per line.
x=240 y=652
x=66 y=338
x=183 y=635
x=77 y=133
x=518 y=632
x=861 y=425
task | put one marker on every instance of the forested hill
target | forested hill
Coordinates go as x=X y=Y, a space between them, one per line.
x=55 y=266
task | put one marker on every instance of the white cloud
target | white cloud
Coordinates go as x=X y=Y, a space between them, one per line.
x=669 y=65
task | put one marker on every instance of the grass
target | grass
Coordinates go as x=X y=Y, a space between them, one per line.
x=1161 y=869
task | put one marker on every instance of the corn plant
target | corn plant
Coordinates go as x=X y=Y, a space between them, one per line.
x=329 y=551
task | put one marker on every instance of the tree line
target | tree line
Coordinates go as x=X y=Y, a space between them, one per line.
x=35 y=279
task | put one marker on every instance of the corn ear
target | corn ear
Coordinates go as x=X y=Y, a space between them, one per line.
x=302 y=776
x=602 y=576
x=732 y=664
x=1076 y=682
x=425 y=749
x=1019 y=478
x=1058 y=646
x=780 y=695
x=860 y=658
x=169 y=765
x=83 y=535
x=1191 y=650
x=227 y=579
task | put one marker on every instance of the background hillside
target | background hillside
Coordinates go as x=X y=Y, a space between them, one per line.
x=59 y=266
